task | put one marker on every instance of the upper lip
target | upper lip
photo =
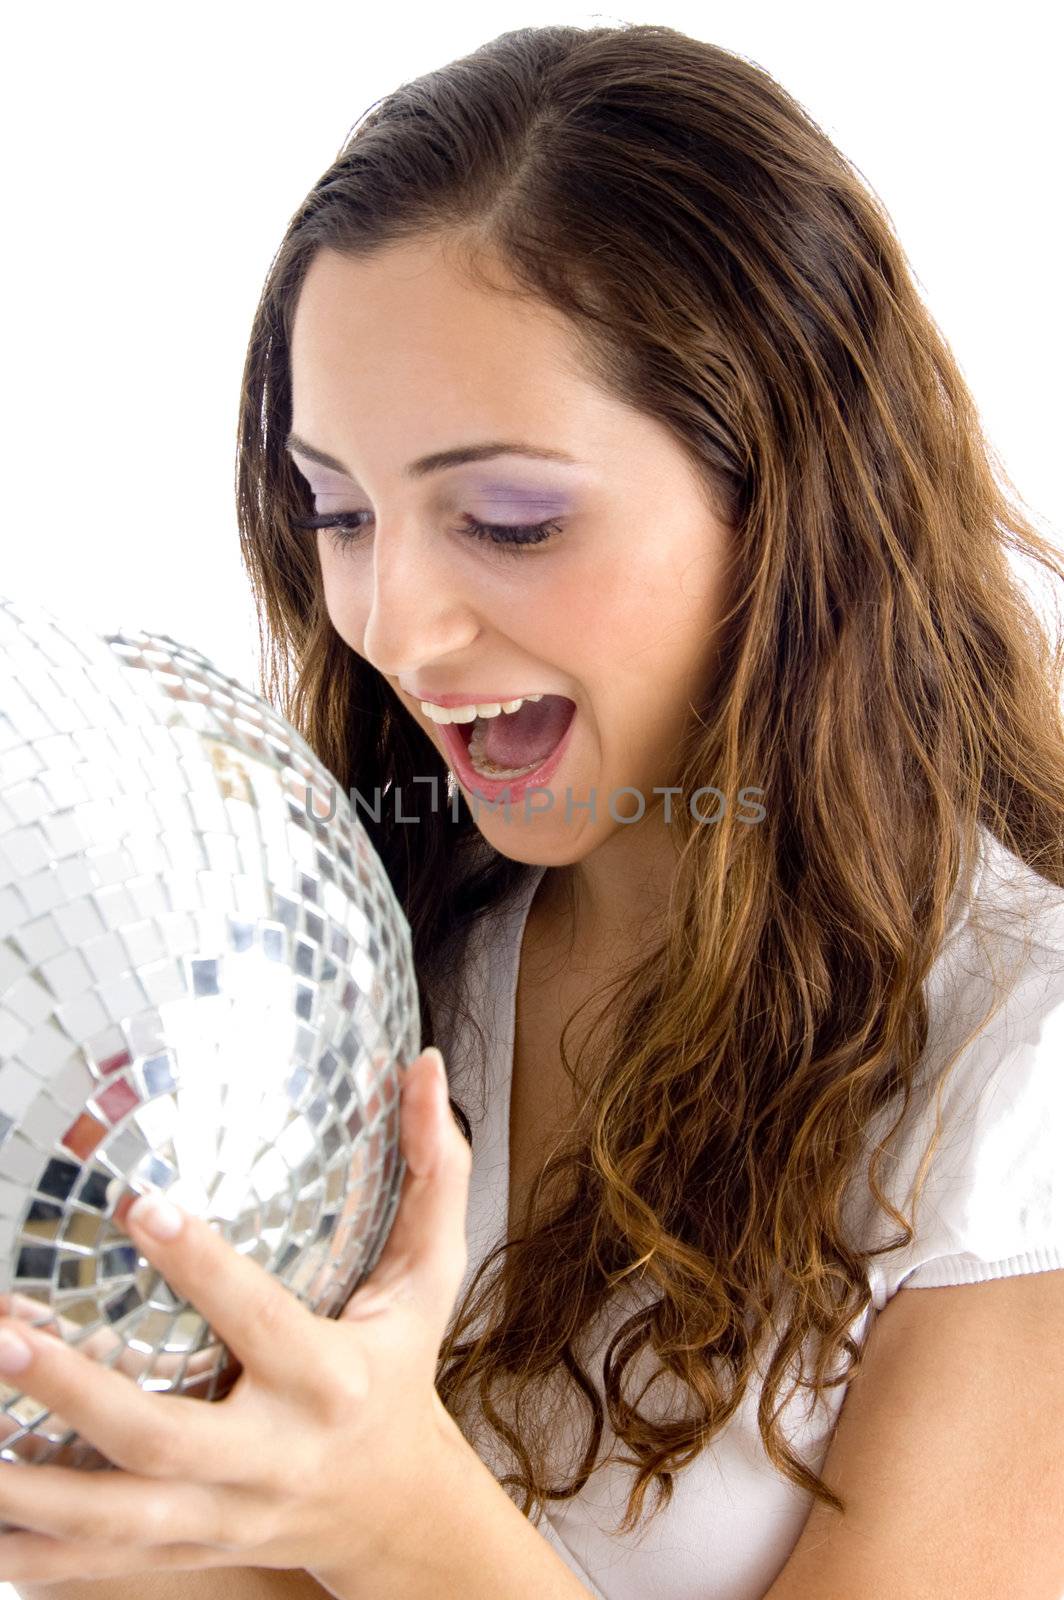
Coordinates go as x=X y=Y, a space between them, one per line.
x=451 y=700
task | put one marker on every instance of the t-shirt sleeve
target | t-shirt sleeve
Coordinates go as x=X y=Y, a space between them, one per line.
x=992 y=1204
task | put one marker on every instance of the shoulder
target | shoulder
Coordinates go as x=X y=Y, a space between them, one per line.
x=978 y=1151
x=947 y=1452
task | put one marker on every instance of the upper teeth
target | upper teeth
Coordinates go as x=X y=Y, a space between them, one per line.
x=469 y=712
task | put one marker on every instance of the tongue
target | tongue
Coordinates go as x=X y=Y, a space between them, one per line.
x=517 y=738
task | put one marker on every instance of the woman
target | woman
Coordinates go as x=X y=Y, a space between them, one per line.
x=590 y=376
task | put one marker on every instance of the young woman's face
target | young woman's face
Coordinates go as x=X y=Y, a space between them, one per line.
x=399 y=357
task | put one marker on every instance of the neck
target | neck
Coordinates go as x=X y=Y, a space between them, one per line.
x=616 y=898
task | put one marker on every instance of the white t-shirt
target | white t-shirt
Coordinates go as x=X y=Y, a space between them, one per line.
x=992 y=1205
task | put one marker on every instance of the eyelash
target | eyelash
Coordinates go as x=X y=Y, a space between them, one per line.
x=511 y=538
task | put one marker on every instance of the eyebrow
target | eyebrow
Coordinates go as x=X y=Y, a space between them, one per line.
x=440 y=459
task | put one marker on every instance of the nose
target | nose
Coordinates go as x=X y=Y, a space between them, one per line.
x=417 y=613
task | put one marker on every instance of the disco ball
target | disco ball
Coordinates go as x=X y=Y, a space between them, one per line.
x=206 y=988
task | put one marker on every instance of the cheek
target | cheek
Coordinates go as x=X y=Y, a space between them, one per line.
x=648 y=627
x=346 y=603
x=625 y=621
x=677 y=601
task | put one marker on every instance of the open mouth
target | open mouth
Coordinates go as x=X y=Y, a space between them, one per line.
x=494 y=753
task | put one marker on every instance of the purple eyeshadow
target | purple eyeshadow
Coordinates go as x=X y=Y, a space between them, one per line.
x=323 y=480
x=521 y=503
x=493 y=498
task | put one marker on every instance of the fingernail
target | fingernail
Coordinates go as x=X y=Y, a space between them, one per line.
x=437 y=1062
x=15 y=1353
x=156 y=1216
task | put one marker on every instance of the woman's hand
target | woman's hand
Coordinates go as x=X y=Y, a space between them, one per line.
x=329 y=1442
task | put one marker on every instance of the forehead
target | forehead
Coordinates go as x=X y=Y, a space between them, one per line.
x=404 y=353
x=411 y=312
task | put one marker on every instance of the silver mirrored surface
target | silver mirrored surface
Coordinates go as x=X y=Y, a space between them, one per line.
x=203 y=990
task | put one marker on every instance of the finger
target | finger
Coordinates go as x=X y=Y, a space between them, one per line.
x=155 y=1434
x=102 y=1342
x=35 y=1558
x=38 y=1311
x=110 y=1506
x=255 y=1315
x=424 y=1255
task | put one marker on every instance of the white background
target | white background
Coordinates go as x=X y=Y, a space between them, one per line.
x=155 y=154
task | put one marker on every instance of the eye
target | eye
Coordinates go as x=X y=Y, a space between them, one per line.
x=346 y=530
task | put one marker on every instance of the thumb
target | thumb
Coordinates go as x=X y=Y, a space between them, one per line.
x=424 y=1256
x=425 y=1095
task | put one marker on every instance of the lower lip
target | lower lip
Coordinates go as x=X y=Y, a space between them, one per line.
x=492 y=790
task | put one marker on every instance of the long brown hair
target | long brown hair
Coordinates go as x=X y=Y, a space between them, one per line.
x=883 y=679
